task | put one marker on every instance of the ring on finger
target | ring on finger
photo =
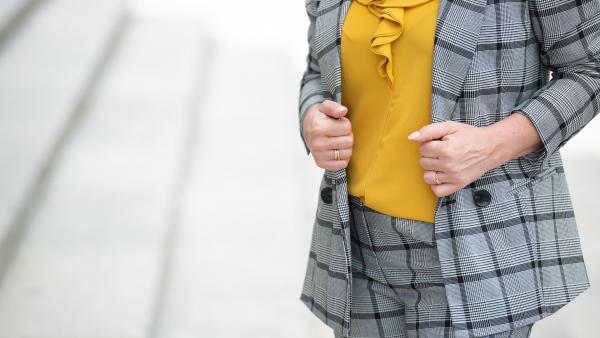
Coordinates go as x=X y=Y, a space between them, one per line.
x=437 y=180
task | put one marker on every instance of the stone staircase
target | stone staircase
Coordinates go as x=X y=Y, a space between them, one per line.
x=94 y=115
x=117 y=218
x=47 y=71
x=12 y=13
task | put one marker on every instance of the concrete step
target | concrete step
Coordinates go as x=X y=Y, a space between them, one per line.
x=90 y=262
x=46 y=71
x=12 y=13
x=241 y=246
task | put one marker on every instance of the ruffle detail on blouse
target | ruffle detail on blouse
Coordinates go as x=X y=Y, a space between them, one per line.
x=390 y=28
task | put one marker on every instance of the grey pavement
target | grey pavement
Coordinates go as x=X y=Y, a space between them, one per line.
x=44 y=73
x=90 y=263
x=11 y=13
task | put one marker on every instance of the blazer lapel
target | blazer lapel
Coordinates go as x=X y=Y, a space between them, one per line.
x=456 y=35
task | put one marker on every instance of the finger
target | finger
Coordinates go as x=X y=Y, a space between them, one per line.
x=340 y=142
x=333 y=109
x=441 y=190
x=428 y=163
x=429 y=177
x=327 y=143
x=329 y=155
x=432 y=148
x=432 y=131
x=341 y=127
x=335 y=165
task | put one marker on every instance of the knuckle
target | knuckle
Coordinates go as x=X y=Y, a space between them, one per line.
x=347 y=125
x=349 y=142
x=448 y=167
x=315 y=144
x=443 y=149
x=317 y=127
x=334 y=143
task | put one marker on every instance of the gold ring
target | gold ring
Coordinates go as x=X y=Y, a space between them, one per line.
x=437 y=180
x=336 y=154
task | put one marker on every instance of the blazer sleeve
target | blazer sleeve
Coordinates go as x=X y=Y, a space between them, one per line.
x=568 y=32
x=311 y=89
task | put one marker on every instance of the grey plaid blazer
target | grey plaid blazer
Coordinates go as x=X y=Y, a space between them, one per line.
x=508 y=242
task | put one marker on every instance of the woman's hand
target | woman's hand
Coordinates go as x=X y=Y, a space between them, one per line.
x=459 y=152
x=326 y=128
x=462 y=153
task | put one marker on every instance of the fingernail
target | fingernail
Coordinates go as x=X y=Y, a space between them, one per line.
x=340 y=108
x=413 y=135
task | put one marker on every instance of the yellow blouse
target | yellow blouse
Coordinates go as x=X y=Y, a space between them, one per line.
x=386 y=60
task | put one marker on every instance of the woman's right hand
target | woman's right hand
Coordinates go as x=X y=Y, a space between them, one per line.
x=327 y=128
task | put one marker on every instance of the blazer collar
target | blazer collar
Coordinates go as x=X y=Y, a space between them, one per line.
x=457 y=31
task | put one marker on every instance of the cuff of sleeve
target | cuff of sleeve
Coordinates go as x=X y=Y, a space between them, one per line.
x=539 y=158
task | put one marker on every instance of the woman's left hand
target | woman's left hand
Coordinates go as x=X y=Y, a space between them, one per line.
x=459 y=152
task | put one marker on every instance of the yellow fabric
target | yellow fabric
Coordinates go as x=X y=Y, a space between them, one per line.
x=386 y=59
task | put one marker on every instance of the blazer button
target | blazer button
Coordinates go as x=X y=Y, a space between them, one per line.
x=482 y=197
x=326 y=195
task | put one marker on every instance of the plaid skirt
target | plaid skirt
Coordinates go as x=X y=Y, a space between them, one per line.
x=398 y=290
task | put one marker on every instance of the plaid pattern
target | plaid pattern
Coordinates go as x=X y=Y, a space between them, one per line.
x=398 y=285
x=517 y=259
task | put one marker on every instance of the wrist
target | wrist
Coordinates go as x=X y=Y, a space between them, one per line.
x=512 y=137
x=499 y=148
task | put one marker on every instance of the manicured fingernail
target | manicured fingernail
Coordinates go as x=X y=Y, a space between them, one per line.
x=413 y=135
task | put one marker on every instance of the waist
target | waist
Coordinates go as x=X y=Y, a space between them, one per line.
x=357 y=202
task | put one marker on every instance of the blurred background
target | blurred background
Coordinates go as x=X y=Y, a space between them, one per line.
x=153 y=182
